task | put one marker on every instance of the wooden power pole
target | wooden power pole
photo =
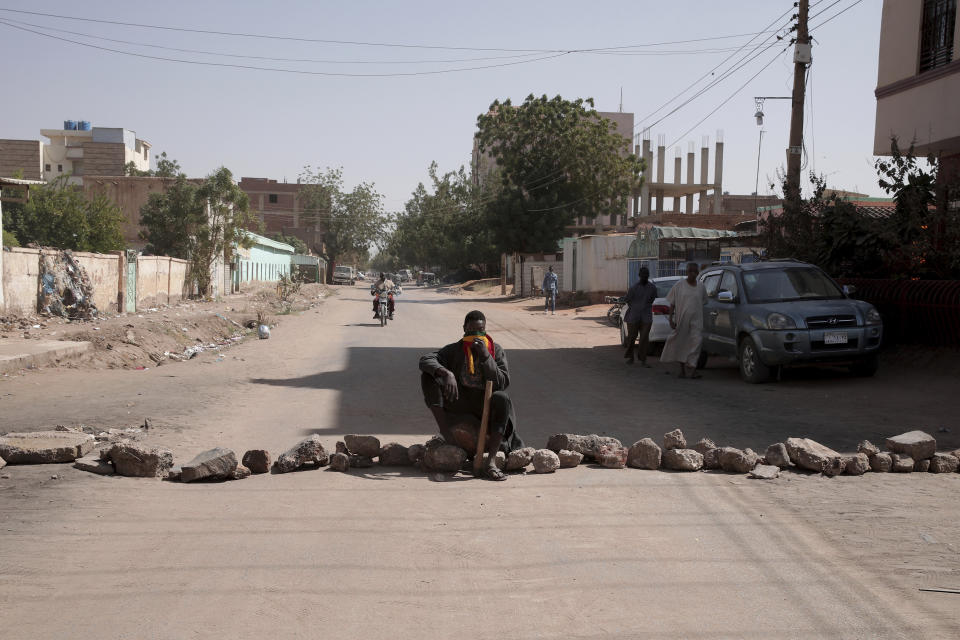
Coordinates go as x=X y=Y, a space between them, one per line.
x=801 y=58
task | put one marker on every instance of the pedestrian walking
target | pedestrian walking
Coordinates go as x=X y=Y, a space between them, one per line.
x=686 y=299
x=639 y=316
x=550 y=292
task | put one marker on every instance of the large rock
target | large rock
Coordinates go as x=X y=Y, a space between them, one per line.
x=569 y=459
x=682 y=460
x=545 y=461
x=307 y=450
x=765 y=472
x=711 y=459
x=341 y=447
x=943 y=463
x=881 y=462
x=367 y=446
x=394 y=454
x=868 y=448
x=736 y=460
x=589 y=445
x=521 y=458
x=922 y=465
x=611 y=456
x=857 y=464
x=139 y=462
x=901 y=463
x=415 y=453
x=703 y=445
x=444 y=457
x=674 y=440
x=43 y=447
x=339 y=461
x=813 y=456
x=644 y=454
x=919 y=445
x=257 y=460
x=94 y=464
x=777 y=455
x=215 y=464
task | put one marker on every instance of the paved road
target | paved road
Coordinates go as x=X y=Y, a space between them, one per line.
x=584 y=553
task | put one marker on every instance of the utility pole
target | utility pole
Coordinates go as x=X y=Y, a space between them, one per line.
x=801 y=58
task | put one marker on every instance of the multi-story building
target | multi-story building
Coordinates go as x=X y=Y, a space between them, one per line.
x=78 y=150
x=278 y=206
x=918 y=82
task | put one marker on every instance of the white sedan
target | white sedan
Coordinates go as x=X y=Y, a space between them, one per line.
x=661 y=313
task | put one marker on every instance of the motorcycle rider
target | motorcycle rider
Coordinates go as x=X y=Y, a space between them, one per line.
x=383 y=286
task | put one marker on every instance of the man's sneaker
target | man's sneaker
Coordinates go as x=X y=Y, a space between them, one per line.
x=553 y=313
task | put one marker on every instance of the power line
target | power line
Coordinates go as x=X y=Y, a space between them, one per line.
x=282 y=70
x=837 y=14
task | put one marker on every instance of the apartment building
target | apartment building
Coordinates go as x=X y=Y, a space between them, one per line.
x=78 y=150
x=278 y=206
x=918 y=81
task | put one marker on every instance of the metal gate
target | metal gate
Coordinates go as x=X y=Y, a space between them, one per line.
x=130 y=298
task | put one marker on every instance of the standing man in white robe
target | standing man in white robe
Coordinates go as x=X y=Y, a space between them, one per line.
x=686 y=299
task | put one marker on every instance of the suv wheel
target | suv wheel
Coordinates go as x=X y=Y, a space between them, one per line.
x=752 y=370
x=866 y=367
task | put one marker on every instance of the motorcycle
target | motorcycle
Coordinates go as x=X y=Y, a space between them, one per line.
x=383 y=303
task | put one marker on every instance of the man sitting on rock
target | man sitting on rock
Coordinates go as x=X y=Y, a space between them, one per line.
x=453 y=380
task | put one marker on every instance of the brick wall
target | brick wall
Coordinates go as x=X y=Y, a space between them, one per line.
x=21 y=155
x=103 y=158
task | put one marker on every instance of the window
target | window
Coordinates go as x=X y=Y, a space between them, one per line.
x=710 y=283
x=46 y=167
x=729 y=283
x=273 y=198
x=59 y=168
x=936 y=33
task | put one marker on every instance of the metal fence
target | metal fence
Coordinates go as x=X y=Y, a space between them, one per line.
x=657 y=268
x=914 y=311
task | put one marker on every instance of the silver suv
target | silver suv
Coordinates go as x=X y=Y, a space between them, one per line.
x=779 y=313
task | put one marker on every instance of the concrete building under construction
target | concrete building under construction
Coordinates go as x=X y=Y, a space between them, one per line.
x=651 y=198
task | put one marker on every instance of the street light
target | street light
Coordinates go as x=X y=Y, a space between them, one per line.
x=759 y=102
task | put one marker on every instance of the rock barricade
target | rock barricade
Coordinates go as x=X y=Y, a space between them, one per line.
x=415 y=453
x=257 y=460
x=856 y=465
x=45 y=447
x=589 y=445
x=644 y=454
x=520 y=459
x=240 y=473
x=139 y=462
x=674 y=440
x=443 y=457
x=919 y=445
x=308 y=450
x=339 y=462
x=777 y=455
x=611 y=456
x=215 y=464
x=367 y=446
x=881 y=462
x=868 y=448
x=943 y=463
x=394 y=454
x=813 y=456
x=545 y=461
x=736 y=460
x=901 y=463
x=765 y=472
x=94 y=464
x=569 y=459
x=682 y=460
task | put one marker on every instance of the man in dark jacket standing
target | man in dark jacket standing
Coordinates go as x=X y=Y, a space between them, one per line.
x=453 y=379
x=639 y=317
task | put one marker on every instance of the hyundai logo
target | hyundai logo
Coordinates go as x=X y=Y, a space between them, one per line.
x=832 y=321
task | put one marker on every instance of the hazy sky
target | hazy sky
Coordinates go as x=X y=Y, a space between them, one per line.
x=388 y=129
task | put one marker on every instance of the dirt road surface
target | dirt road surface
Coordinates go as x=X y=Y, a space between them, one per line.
x=377 y=553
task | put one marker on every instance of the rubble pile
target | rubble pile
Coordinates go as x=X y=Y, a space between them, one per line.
x=914 y=451
x=65 y=287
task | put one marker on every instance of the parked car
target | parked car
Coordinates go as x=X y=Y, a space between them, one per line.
x=361 y=275
x=784 y=312
x=661 y=314
x=404 y=275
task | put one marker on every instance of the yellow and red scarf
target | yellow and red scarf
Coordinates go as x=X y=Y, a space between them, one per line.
x=468 y=340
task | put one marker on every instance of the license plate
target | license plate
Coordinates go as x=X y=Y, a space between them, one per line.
x=835 y=337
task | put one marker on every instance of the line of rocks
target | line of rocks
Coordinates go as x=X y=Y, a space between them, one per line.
x=907 y=452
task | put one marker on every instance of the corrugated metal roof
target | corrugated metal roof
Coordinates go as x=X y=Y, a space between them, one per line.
x=20 y=181
x=267 y=242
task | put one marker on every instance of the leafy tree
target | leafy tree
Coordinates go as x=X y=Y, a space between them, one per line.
x=298 y=245
x=353 y=220
x=166 y=168
x=10 y=240
x=199 y=223
x=556 y=160
x=444 y=226
x=58 y=215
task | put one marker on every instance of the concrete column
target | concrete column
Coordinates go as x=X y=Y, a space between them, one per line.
x=645 y=189
x=296 y=210
x=689 y=203
x=677 y=170
x=718 y=179
x=635 y=201
x=704 y=177
x=661 y=153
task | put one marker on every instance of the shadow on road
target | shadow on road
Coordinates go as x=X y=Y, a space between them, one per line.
x=590 y=390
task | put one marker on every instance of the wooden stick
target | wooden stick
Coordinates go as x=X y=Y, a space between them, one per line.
x=484 y=421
